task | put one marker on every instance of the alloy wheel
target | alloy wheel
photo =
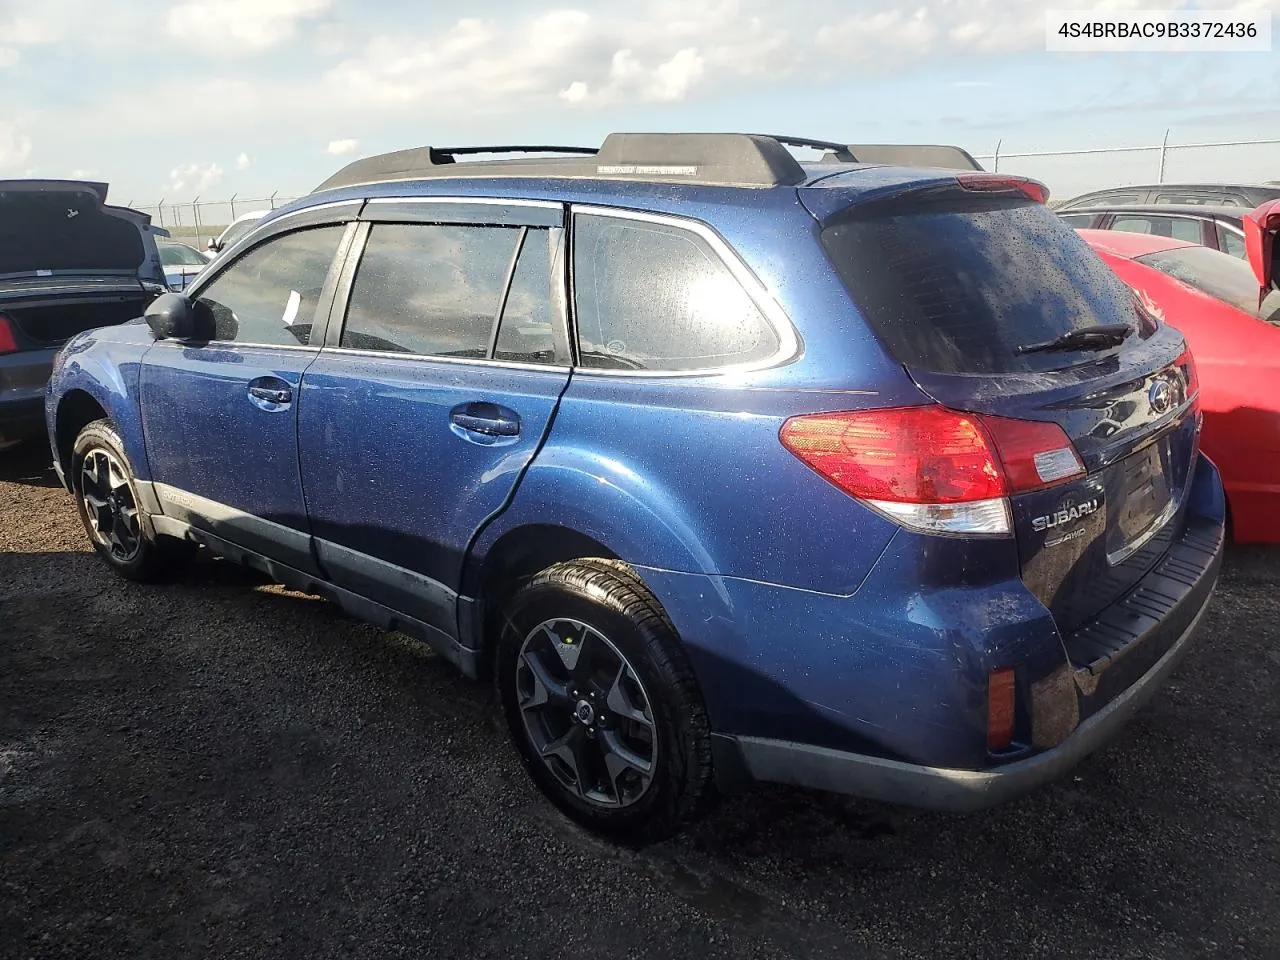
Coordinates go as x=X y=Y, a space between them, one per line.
x=109 y=504
x=586 y=712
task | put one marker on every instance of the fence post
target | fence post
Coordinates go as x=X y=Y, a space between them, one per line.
x=272 y=198
x=160 y=211
x=995 y=167
x=233 y=206
x=1164 y=149
x=195 y=216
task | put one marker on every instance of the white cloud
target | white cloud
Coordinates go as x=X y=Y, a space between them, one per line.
x=15 y=146
x=82 y=174
x=244 y=162
x=340 y=148
x=27 y=30
x=195 y=178
x=238 y=27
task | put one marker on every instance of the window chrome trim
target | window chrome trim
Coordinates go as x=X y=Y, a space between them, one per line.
x=227 y=344
x=465 y=361
x=491 y=201
x=789 y=344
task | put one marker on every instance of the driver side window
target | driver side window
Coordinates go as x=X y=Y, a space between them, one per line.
x=269 y=296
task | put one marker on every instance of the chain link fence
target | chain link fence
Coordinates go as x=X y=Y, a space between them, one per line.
x=1066 y=172
x=202 y=220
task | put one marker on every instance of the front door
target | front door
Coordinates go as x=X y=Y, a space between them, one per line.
x=221 y=417
x=423 y=409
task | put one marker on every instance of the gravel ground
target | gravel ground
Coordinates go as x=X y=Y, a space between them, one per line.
x=224 y=768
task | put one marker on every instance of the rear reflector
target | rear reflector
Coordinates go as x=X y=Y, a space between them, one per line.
x=988 y=183
x=7 y=343
x=1000 y=709
x=932 y=468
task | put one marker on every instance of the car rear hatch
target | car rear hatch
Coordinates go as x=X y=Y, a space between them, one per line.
x=69 y=262
x=982 y=295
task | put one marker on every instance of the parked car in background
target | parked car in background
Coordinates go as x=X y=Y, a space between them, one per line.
x=1216 y=227
x=1183 y=194
x=865 y=478
x=68 y=262
x=237 y=229
x=1235 y=337
x=182 y=263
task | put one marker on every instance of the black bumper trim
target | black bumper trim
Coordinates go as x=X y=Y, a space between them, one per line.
x=941 y=788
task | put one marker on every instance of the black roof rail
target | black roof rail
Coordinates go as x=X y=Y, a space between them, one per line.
x=839 y=151
x=729 y=159
x=905 y=155
x=723 y=159
x=445 y=152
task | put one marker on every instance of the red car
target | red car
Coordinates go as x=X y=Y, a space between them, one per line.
x=1229 y=312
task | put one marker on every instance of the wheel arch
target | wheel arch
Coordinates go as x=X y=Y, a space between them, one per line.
x=77 y=408
x=512 y=558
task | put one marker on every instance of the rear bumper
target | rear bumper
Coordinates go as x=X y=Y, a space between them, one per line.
x=22 y=382
x=1149 y=632
x=939 y=788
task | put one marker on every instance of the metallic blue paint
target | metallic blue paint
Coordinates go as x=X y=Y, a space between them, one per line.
x=104 y=365
x=207 y=435
x=385 y=473
x=807 y=615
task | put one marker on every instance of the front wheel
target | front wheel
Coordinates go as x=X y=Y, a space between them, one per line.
x=602 y=702
x=119 y=527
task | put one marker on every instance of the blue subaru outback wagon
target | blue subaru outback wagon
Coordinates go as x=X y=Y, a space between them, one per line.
x=726 y=467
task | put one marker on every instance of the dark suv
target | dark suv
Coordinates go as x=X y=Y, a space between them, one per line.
x=727 y=467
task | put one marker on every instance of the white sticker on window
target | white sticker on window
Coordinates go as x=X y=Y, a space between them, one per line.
x=291 y=308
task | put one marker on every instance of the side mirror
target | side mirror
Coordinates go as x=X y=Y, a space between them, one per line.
x=213 y=246
x=171 y=317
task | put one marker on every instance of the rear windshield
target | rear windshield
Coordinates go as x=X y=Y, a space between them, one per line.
x=64 y=232
x=1220 y=275
x=957 y=283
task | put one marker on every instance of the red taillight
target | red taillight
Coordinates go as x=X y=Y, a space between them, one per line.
x=935 y=459
x=7 y=343
x=907 y=454
x=992 y=183
x=1186 y=364
x=1001 y=694
x=1034 y=454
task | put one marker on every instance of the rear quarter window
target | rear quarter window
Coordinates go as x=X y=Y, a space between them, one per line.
x=955 y=283
x=653 y=296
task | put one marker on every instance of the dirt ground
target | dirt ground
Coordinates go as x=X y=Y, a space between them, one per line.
x=220 y=768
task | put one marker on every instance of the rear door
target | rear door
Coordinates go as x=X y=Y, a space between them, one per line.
x=968 y=290
x=432 y=393
x=221 y=417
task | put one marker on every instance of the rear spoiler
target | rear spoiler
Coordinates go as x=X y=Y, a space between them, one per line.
x=906 y=155
x=1260 y=228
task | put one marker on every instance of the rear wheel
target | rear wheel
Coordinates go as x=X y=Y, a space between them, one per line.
x=119 y=527
x=602 y=703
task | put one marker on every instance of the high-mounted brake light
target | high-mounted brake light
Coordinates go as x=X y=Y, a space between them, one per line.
x=932 y=468
x=7 y=343
x=987 y=183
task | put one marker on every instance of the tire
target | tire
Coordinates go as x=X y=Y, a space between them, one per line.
x=619 y=694
x=131 y=547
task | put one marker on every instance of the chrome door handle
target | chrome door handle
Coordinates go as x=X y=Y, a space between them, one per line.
x=271 y=394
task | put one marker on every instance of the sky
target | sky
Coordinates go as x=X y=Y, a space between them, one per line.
x=213 y=98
